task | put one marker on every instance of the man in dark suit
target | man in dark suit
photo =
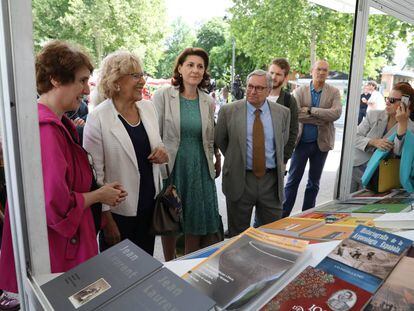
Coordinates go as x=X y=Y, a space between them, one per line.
x=252 y=133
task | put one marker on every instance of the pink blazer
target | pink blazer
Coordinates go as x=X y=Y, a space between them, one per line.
x=66 y=175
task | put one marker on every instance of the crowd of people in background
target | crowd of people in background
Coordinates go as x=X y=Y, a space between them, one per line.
x=103 y=169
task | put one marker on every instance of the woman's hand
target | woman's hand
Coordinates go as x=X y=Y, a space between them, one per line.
x=217 y=164
x=158 y=156
x=111 y=231
x=401 y=115
x=112 y=194
x=381 y=143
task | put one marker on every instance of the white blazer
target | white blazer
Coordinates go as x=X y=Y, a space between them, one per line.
x=167 y=102
x=113 y=154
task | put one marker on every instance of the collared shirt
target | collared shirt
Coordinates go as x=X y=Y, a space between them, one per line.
x=310 y=131
x=270 y=148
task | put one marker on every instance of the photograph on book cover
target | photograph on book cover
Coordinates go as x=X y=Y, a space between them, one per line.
x=364 y=257
x=397 y=293
x=241 y=270
x=89 y=292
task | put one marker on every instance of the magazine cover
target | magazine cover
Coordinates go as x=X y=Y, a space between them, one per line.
x=245 y=267
x=339 y=206
x=397 y=292
x=366 y=258
x=316 y=289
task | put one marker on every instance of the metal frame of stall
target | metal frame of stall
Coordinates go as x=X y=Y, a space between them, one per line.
x=19 y=125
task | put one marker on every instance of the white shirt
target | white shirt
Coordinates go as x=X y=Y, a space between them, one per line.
x=376 y=101
x=272 y=98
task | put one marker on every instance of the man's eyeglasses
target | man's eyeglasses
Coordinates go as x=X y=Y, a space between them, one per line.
x=392 y=100
x=258 y=88
x=138 y=76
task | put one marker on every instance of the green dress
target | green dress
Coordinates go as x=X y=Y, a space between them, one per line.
x=191 y=174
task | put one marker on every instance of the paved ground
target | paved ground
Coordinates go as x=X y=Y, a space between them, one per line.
x=325 y=193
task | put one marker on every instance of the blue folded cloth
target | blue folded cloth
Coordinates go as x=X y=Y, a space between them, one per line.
x=407 y=163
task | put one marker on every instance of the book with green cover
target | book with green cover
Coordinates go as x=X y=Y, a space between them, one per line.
x=383 y=208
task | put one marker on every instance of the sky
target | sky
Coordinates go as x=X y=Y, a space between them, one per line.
x=195 y=12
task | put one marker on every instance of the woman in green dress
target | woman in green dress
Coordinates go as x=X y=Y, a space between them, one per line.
x=186 y=119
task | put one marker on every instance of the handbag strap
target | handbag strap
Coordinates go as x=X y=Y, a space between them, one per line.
x=169 y=178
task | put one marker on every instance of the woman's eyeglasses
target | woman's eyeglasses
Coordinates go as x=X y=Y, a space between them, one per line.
x=392 y=100
x=138 y=75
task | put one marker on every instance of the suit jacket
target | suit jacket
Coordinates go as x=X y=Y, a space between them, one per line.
x=329 y=110
x=293 y=129
x=230 y=137
x=114 y=158
x=373 y=126
x=167 y=103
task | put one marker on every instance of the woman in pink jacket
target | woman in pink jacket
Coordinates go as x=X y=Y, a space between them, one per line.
x=62 y=74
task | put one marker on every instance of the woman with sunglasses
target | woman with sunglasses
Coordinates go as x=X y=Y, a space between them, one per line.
x=122 y=135
x=374 y=130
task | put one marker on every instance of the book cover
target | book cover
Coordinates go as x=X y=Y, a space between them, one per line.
x=338 y=207
x=355 y=221
x=397 y=292
x=315 y=289
x=397 y=200
x=102 y=277
x=365 y=193
x=360 y=201
x=329 y=232
x=327 y=216
x=292 y=225
x=245 y=267
x=366 y=258
x=161 y=291
x=383 y=208
x=395 y=220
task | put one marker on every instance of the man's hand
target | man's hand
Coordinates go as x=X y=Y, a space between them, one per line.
x=217 y=164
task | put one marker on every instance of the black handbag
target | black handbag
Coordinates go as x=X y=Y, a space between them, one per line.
x=168 y=211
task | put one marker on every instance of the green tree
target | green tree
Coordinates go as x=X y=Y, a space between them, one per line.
x=103 y=26
x=302 y=31
x=182 y=37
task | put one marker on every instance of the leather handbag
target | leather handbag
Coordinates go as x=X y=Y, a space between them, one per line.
x=168 y=211
x=386 y=176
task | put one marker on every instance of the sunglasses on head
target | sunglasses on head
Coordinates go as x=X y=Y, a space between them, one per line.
x=392 y=100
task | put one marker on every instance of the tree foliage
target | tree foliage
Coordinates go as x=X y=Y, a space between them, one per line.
x=274 y=28
x=182 y=36
x=103 y=26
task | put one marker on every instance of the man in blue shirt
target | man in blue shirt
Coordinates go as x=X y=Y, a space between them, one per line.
x=319 y=106
x=252 y=133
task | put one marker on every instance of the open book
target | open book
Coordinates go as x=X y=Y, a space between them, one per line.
x=248 y=268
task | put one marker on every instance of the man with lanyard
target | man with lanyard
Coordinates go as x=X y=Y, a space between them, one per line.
x=319 y=106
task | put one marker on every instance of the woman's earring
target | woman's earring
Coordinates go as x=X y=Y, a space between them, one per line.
x=118 y=88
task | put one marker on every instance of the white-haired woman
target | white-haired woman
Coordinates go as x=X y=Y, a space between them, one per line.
x=122 y=135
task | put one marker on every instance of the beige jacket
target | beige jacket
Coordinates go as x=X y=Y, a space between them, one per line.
x=329 y=110
x=167 y=103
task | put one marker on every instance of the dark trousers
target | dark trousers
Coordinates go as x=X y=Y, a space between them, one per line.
x=301 y=155
x=136 y=229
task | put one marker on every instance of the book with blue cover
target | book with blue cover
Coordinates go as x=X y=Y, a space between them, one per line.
x=366 y=258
